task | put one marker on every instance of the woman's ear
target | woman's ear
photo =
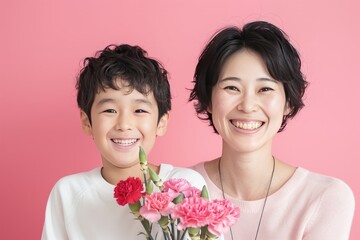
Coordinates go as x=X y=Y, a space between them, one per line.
x=209 y=108
x=85 y=123
x=287 y=109
x=162 y=125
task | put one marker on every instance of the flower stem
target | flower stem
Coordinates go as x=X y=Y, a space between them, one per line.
x=167 y=235
x=145 y=180
x=146 y=226
x=172 y=225
x=183 y=235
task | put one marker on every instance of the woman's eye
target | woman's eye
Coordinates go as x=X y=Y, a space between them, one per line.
x=232 y=88
x=110 y=111
x=266 y=89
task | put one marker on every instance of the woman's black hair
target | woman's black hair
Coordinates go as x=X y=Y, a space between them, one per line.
x=271 y=43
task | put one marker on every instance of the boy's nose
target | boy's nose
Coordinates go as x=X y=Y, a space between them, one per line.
x=124 y=122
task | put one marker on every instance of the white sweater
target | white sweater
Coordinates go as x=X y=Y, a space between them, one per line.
x=82 y=207
x=309 y=206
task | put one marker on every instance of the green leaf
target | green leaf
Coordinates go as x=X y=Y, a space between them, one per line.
x=163 y=222
x=149 y=187
x=204 y=193
x=135 y=207
x=156 y=179
x=178 y=199
x=193 y=232
x=143 y=159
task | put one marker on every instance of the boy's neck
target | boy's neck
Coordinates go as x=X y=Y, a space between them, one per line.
x=113 y=175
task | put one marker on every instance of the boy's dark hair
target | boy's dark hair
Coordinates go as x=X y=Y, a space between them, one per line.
x=129 y=63
x=271 y=43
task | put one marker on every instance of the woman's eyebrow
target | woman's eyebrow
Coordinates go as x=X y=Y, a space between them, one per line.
x=239 y=79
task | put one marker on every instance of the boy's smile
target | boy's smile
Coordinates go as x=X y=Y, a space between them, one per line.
x=125 y=142
x=122 y=121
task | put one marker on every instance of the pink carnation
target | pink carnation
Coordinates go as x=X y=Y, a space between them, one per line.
x=224 y=215
x=191 y=192
x=192 y=212
x=156 y=205
x=175 y=186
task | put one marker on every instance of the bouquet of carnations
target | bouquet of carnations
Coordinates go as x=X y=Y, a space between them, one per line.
x=181 y=210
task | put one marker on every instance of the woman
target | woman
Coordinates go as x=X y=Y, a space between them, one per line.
x=247 y=84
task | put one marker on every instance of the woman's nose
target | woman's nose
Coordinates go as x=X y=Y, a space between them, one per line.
x=248 y=103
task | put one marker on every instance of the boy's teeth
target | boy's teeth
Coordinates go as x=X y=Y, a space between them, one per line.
x=124 y=142
x=247 y=125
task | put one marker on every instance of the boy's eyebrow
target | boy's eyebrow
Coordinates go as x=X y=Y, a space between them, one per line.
x=111 y=100
x=145 y=101
x=105 y=100
x=258 y=79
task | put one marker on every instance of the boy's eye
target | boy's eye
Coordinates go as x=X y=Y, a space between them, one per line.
x=232 y=88
x=140 y=111
x=110 y=111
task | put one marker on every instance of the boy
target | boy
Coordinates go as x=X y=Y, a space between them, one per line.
x=124 y=98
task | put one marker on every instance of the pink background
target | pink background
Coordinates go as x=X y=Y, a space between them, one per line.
x=43 y=43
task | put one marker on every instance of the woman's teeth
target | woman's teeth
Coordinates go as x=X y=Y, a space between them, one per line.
x=247 y=125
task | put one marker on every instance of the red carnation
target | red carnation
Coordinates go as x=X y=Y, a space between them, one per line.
x=128 y=191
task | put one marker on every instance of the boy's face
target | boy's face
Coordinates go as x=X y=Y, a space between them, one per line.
x=123 y=120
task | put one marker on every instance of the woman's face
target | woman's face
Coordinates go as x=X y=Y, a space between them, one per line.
x=247 y=104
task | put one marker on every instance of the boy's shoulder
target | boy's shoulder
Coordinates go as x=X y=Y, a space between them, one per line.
x=78 y=181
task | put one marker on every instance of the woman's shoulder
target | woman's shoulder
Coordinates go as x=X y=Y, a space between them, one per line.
x=323 y=185
x=199 y=167
x=321 y=180
x=332 y=201
x=207 y=168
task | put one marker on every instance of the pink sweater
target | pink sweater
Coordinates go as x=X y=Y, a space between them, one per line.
x=309 y=206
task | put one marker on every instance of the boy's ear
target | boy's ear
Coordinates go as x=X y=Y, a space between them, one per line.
x=85 y=123
x=162 y=125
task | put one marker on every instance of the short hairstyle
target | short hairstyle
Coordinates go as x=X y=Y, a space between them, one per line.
x=271 y=43
x=129 y=63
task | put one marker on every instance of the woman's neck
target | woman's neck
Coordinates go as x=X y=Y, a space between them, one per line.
x=246 y=177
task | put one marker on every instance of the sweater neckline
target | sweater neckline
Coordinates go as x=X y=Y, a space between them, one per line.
x=107 y=187
x=274 y=200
